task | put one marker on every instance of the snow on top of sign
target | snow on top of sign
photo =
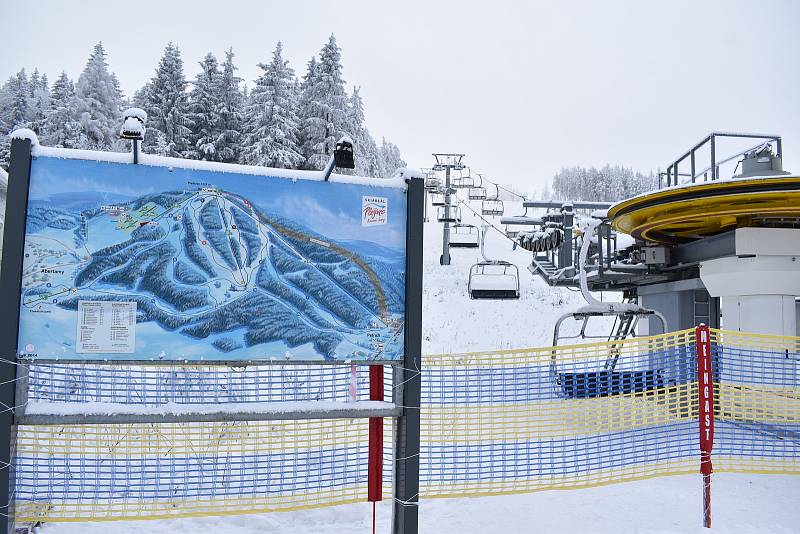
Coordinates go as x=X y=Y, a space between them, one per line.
x=407 y=173
x=346 y=139
x=136 y=113
x=211 y=166
x=25 y=133
x=171 y=408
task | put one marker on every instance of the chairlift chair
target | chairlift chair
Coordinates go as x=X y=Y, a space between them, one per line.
x=432 y=183
x=477 y=193
x=449 y=214
x=465 y=182
x=492 y=279
x=577 y=380
x=464 y=236
x=437 y=198
x=493 y=205
x=514 y=233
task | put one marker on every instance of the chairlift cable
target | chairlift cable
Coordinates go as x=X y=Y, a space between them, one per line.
x=507 y=190
x=481 y=217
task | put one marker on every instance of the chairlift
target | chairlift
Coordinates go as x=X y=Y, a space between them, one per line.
x=477 y=193
x=449 y=214
x=464 y=236
x=511 y=232
x=576 y=379
x=581 y=378
x=437 y=198
x=466 y=182
x=492 y=279
x=492 y=205
x=433 y=183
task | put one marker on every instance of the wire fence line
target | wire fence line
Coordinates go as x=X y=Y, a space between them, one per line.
x=493 y=422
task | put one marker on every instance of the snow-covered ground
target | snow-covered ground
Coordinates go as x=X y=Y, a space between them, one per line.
x=741 y=505
x=753 y=504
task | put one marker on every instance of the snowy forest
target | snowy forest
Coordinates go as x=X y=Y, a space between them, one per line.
x=281 y=120
x=608 y=184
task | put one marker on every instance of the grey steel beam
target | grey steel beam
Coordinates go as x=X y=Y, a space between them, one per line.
x=716 y=246
x=205 y=417
x=557 y=204
x=521 y=220
x=204 y=363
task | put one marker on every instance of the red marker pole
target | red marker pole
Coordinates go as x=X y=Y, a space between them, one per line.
x=705 y=388
x=375 y=455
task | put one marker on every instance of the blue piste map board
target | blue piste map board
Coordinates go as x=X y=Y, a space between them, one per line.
x=146 y=262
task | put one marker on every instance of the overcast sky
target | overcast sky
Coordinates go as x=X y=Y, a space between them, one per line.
x=523 y=88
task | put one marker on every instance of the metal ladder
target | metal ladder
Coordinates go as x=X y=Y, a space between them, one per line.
x=623 y=326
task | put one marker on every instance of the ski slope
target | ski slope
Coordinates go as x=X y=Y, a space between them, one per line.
x=742 y=504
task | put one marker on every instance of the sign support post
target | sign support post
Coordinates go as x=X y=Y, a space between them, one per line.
x=705 y=388
x=405 y=518
x=10 y=287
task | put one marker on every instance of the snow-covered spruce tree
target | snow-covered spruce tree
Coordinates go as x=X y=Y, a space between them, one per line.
x=60 y=127
x=166 y=102
x=230 y=100
x=97 y=103
x=38 y=101
x=270 y=119
x=324 y=109
x=203 y=111
x=390 y=158
x=365 y=149
x=14 y=97
x=307 y=137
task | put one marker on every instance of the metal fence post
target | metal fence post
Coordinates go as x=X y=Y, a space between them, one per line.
x=10 y=287
x=405 y=518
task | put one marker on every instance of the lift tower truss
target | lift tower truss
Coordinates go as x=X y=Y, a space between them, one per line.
x=447 y=163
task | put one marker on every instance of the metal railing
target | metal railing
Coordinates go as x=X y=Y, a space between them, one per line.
x=673 y=173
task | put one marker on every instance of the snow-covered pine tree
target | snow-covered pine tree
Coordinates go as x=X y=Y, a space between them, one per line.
x=230 y=100
x=97 y=103
x=60 y=128
x=365 y=149
x=271 y=121
x=166 y=103
x=203 y=111
x=324 y=111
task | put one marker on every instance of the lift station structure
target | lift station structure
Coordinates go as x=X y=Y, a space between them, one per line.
x=700 y=249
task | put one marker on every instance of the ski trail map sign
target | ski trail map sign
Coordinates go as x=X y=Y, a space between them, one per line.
x=150 y=262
